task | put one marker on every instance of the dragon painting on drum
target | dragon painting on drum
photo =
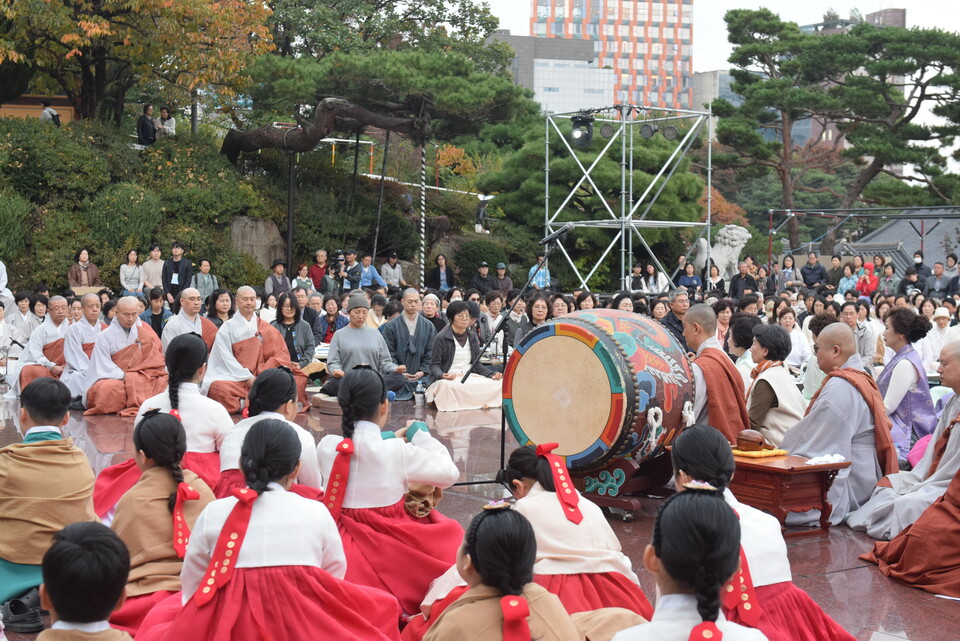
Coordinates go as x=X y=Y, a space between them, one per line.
x=604 y=384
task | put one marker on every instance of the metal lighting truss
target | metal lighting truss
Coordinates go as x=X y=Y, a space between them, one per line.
x=624 y=119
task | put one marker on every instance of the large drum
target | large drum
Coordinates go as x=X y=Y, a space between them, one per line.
x=602 y=383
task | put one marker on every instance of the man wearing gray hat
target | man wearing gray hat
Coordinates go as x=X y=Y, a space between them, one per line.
x=504 y=282
x=277 y=282
x=358 y=344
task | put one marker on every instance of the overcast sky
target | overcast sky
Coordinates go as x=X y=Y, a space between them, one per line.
x=710 y=47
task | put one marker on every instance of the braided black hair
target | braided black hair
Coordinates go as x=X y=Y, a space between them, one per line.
x=361 y=392
x=503 y=549
x=270 y=451
x=185 y=355
x=704 y=454
x=525 y=464
x=162 y=439
x=271 y=389
x=697 y=538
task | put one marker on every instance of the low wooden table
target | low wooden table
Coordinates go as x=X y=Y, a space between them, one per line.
x=783 y=484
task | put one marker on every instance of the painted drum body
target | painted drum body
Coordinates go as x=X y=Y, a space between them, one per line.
x=591 y=380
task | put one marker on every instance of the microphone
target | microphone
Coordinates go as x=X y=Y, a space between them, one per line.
x=557 y=234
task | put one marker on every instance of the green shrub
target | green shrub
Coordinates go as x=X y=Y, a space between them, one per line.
x=14 y=212
x=472 y=252
x=123 y=216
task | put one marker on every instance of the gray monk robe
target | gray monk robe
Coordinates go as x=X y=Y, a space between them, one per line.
x=892 y=508
x=413 y=350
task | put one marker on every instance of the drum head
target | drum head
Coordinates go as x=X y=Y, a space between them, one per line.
x=563 y=386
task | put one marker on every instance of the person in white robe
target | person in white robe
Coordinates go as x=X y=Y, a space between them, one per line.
x=309 y=463
x=902 y=497
x=930 y=346
x=188 y=320
x=205 y=421
x=85 y=331
x=223 y=365
x=22 y=322
x=6 y=296
x=838 y=421
x=53 y=328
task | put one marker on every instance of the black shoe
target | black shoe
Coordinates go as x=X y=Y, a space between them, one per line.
x=32 y=600
x=19 y=617
x=77 y=403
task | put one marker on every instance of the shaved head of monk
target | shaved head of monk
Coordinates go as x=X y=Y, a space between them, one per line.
x=835 y=345
x=128 y=310
x=949 y=369
x=190 y=301
x=246 y=301
x=58 y=308
x=90 y=304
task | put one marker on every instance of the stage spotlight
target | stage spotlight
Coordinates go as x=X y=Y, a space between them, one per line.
x=647 y=131
x=582 y=133
x=670 y=132
x=607 y=130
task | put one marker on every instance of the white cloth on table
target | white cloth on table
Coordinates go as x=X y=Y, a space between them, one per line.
x=382 y=470
x=222 y=364
x=284 y=529
x=840 y=422
x=891 y=509
x=309 y=464
x=205 y=421
x=78 y=363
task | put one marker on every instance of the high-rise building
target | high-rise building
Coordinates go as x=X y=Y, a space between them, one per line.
x=647 y=43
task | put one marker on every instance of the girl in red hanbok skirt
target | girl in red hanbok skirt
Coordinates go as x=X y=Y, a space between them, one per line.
x=205 y=422
x=155 y=517
x=273 y=395
x=366 y=479
x=268 y=564
x=778 y=608
x=578 y=555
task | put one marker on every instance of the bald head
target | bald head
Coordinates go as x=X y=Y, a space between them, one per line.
x=190 y=302
x=246 y=301
x=949 y=368
x=90 y=305
x=128 y=309
x=834 y=347
x=57 y=309
x=699 y=324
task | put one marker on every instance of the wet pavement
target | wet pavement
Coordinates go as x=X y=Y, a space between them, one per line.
x=869 y=605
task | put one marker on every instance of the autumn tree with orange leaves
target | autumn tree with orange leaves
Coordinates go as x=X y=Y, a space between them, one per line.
x=95 y=49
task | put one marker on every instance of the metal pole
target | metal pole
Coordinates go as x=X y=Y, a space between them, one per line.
x=291 y=205
x=383 y=177
x=423 y=213
x=769 y=243
x=623 y=202
x=709 y=181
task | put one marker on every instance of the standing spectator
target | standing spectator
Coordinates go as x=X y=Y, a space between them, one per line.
x=277 y=282
x=177 y=274
x=49 y=114
x=302 y=279
x=350 y=271
x=504 y=282
x=813 y=273
x=297 y=334
x=542 y=279
x=318 y=269
x=368 y=273
x=441 y=277
x=131 y=276
x=922 y=270
x=166 y=124
x=203 y=281
x=146 y=127
x=482 y=281
x=742 y=283
x=392 y=273
x=636 y=278
x=153 y=269
x=673 y=321
x=158 y=315
x=83 y=273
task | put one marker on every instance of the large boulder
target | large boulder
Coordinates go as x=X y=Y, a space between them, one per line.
x=257 y=237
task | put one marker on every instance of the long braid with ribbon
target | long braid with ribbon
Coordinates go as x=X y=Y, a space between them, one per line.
x=563 y=484
x=224 y=560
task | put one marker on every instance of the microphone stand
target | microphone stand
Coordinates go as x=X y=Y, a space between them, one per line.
x=498 y=328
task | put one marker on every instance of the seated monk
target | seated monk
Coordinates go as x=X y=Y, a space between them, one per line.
x=78 y=347
x=926 y=554
x=46 y=483
x=43 y=356
x=127 y=364
x=899 y=499
x=719 y=399
x=847 y=417
x=244 y=347
x=189 y=320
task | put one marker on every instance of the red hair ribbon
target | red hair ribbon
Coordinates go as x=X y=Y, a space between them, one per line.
x=706 y=631
x=245 y=413
x=738 y=594
x=181 y=531
x=176 y=415
x=225 y=554
x=339 y=474
x=515 y=612
x=562 y=482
